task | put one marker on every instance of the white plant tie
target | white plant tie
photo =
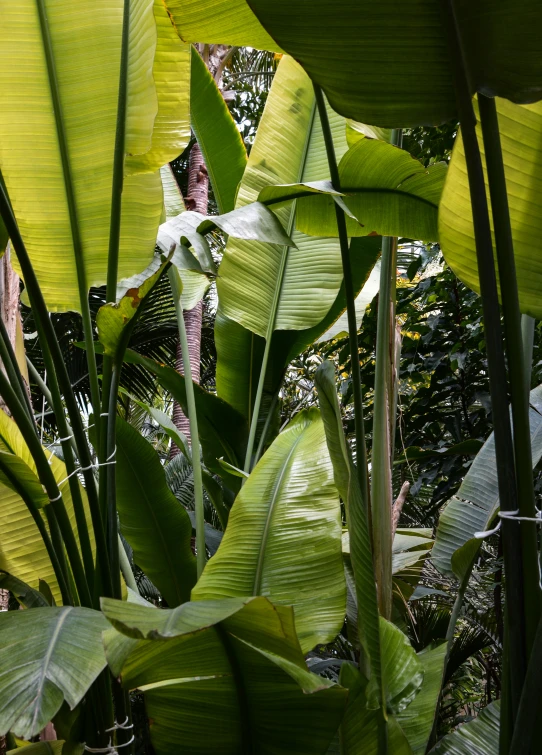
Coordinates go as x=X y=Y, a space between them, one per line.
x=510 y=516
x=111 y=749
x=125 y=726
x=109 y=460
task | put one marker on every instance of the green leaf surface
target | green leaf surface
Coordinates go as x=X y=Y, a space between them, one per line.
x=359 y=727
x=346 y=50
x=269 y=287
x=40 y=748
x=476 y=503
x=521 y=138
x=27 y=597
x=47 y=655
x=230 y=668
x=478 y=737
x=87 y=37
x=288 y=498
x=218 y=136
x=152 y=520
x=416 y=720
x=173 y=199
x=387 y=191
x=22 y=552
x=228 y=22
x=223 y=431
x=251 y=222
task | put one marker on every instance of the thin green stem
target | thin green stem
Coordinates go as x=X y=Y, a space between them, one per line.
x=259 y=393
x=201 y=553
x=126 y=569
x=516 y=365
x=504 y=449
x=58 y=568
x=110 y=465
x=381 y=492
x=72 y=206
x=529 y=704
x=66 y=440
x=51 y=349
x=361 y=450
x=266 y=426
x=47 y=479
x=527 y=338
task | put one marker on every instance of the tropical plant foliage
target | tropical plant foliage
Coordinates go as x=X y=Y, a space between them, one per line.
x=343 y=554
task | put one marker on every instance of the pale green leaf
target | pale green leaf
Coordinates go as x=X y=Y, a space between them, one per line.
x=288 y=508
x=227 y=22
x=85 y=38
x=268 y=287
x=47 y=655
x=170 y=131
x=217 y=134
x=521 y=138
x=173 y=199
x=22 y=552
x=478 y=737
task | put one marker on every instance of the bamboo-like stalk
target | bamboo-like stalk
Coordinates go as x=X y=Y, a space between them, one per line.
x=201 y=553
x=495 y=355
x=516 y=365
x=51 y=350
x=58 y=569
x=47 y=479
x=361 y=450
x=381 y=492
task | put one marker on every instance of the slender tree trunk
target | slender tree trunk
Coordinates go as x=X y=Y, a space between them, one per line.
x=197 y=199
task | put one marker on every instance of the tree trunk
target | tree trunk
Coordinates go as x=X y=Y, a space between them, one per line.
x=215 y=57
x=197 y=199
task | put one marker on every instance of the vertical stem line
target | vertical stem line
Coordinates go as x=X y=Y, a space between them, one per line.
x=527 y=338
x=381 y=494
x=361 y=451
x=201 y=553
x=9 y=361
x=516 y=369
x=504 y=449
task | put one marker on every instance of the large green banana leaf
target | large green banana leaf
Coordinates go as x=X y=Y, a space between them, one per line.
x=47 y=655
x=476 y=503
x=478 y=737
x=152 y=520
x=409 y=728
x=266 y=287
x=219 y=675
x=287 y=512
x=521 y=138
x=85 y=42
x=22 y=552
x=387 y=63
x=240 y=352
x=227 y=22
x=218 y=136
